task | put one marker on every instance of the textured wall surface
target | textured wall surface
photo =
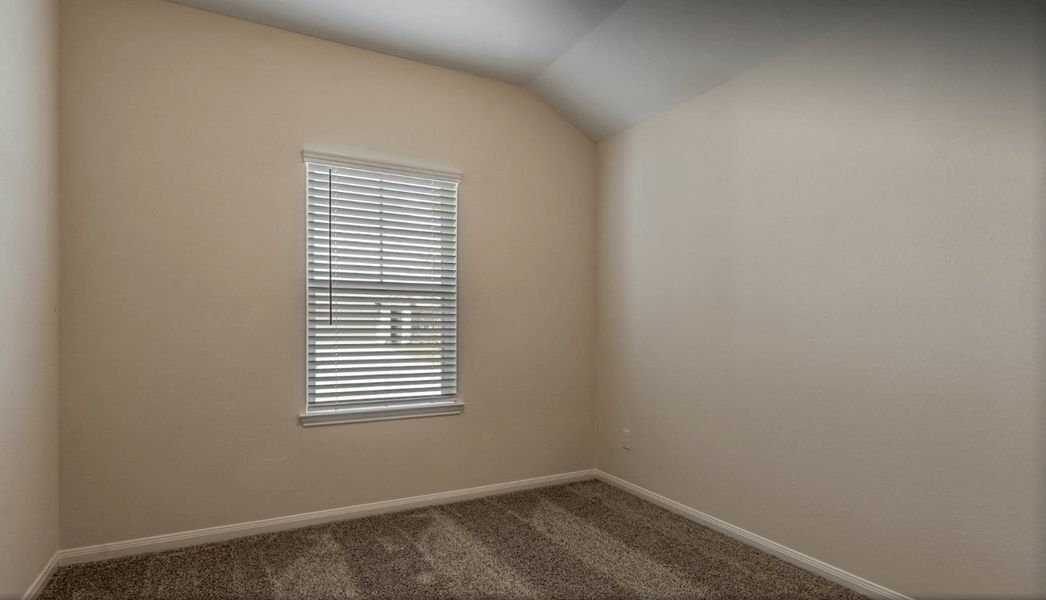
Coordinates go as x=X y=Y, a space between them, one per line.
x=183 y=273
x=28 y=291
x=821 y=299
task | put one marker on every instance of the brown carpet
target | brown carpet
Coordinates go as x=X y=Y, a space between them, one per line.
x=582 y=540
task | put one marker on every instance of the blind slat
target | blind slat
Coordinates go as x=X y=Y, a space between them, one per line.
x=385 y=253
x=369 y=273
x=346 y=201
x=326 y=333
x=349 y=401
x=386 y=179
x=391 y=266
x=346 y=340
x=383 y=211
x=431 y=251
x=361 y=193
x=332 y=364
x=371 y=370
x=327 y=363
x=352 y=316
x=318 y=189
x=352 y=228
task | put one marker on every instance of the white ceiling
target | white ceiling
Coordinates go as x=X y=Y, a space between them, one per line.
x=605 y=64
x=651 y=55
x=509 y=40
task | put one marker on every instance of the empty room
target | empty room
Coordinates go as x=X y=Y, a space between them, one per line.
x=523 y=299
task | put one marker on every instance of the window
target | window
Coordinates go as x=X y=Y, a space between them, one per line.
x=382 y=291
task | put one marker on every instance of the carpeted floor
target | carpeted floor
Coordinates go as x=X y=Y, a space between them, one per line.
x=582 y=540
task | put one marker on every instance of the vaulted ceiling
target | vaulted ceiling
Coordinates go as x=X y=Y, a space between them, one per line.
x=605 y=64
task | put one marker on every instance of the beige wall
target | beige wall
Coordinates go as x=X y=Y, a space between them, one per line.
x=183 y=253
x=820 y=287
x=821 y=299
x=28 y=291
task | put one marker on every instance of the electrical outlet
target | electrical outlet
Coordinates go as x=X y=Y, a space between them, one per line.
x=626 y=439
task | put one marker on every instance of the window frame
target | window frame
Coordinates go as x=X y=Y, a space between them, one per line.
x=389 y=409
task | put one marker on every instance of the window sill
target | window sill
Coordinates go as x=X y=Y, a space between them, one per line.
x=381 y=413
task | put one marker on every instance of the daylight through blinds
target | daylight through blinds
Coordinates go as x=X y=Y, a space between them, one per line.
x=382 y=285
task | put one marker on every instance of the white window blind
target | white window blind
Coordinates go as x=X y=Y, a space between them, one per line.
x=382 y=287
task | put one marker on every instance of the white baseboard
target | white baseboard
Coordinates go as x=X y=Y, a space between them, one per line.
x=221 y=533
x=208 y=535
x=809 y=563
x=41 y=579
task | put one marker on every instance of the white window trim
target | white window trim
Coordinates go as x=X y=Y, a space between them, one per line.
x=368 y=414
x=382 y=413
